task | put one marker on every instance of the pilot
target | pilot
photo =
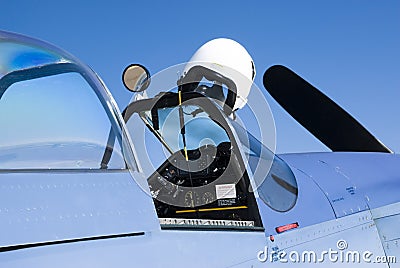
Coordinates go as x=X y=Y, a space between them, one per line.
x=222 y=61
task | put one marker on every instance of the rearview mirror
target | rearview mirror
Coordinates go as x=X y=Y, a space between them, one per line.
x=136 y=78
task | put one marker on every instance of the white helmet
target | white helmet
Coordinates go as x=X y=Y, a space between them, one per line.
x=229 y=59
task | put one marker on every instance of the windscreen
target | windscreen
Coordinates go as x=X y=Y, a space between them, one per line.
x=53 y=121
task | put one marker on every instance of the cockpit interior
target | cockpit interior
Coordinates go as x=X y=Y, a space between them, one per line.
x=202 y=180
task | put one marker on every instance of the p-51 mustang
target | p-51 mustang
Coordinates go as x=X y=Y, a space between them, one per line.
x=185 y=176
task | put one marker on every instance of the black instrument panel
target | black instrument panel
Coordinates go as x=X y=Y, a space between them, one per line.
x=187 y=189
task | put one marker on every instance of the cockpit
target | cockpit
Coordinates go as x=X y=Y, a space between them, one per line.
x=197 y=174
x=200 y=162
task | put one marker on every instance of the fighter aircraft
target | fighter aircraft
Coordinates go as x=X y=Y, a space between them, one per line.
x=183 y=177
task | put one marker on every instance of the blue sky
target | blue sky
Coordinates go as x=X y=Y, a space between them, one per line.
x=349 y=49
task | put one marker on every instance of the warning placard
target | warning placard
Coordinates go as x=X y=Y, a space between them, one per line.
x=225 y=191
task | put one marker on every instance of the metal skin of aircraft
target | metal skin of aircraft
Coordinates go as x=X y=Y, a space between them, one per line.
x=175 y=180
